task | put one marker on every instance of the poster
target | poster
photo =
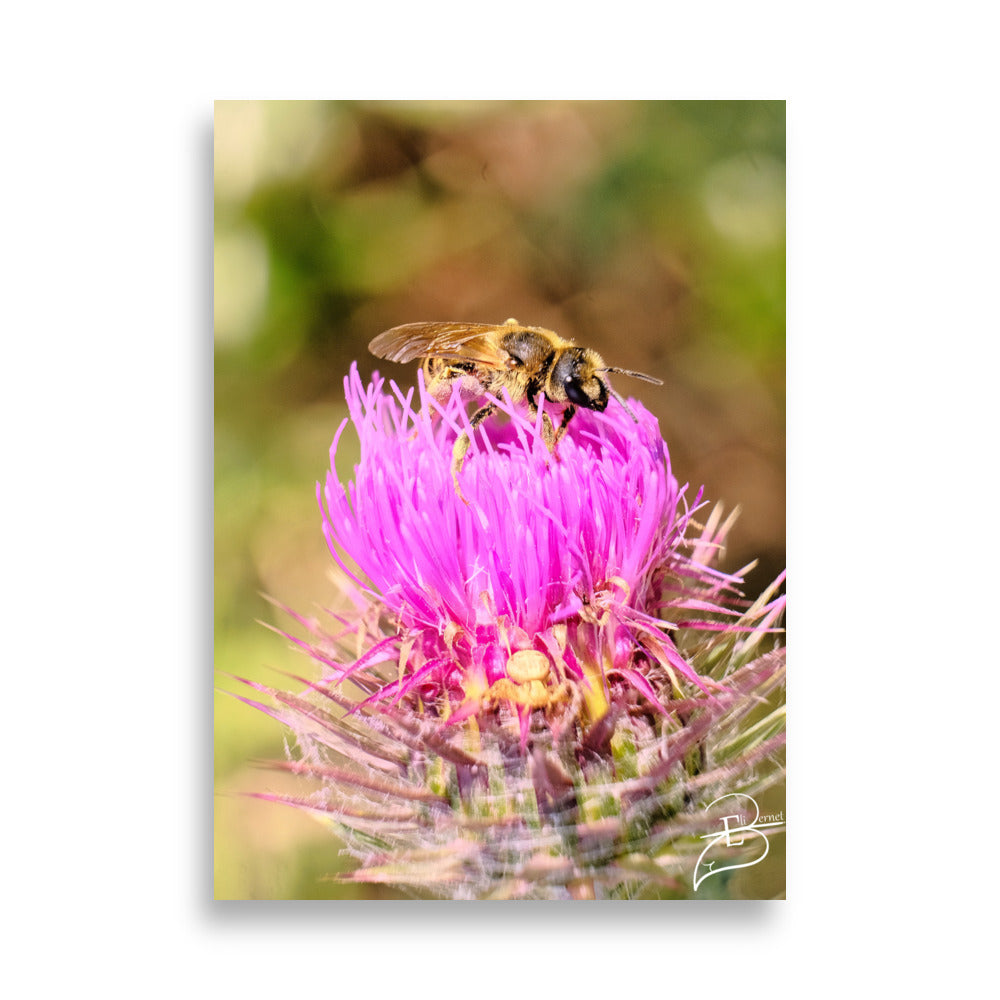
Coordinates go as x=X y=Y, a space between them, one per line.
x=511 y=654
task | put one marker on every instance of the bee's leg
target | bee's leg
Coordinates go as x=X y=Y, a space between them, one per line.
x=435 y=382
x=548 y=431
x=462 y=445
x=563 y=424
x=552 y=434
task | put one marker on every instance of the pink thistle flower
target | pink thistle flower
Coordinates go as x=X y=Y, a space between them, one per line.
x=568 y=557
x=541 y=684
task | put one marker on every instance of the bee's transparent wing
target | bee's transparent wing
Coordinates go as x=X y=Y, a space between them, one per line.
x=454 y=341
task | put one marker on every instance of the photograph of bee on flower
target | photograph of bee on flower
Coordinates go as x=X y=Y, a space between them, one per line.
x=499 y=500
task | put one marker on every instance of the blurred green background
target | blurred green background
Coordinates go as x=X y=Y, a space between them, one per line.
x=652 y=231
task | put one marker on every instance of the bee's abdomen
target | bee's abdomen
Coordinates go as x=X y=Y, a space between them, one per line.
x=441 y=376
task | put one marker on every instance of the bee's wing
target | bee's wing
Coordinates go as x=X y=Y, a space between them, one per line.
x=459 y=341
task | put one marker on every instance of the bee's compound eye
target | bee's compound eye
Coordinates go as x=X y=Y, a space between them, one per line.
x=575 y=393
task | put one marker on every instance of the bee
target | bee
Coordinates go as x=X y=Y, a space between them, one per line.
x=527 y=361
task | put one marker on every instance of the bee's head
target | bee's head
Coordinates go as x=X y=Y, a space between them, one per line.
x=575 y=376
x=579 y=375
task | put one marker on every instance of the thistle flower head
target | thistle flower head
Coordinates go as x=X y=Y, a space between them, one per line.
x=560 y=560
x=544 y=679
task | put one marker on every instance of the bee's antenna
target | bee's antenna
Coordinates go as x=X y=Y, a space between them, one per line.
x=639 y=375
x=628 y=409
